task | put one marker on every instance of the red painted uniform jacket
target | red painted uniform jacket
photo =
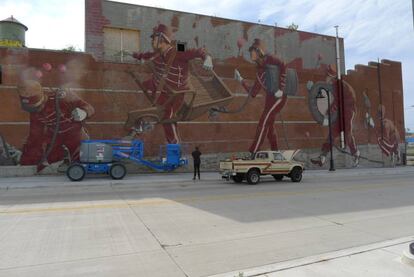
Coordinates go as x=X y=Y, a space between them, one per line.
x=260 y=81
x=42 y=126
x=349 y=99
x=177 y=77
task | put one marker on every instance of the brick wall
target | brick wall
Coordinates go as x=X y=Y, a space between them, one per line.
x=112 y=92
x=94 y=23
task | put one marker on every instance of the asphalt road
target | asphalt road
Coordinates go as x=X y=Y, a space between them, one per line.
x=169 y=226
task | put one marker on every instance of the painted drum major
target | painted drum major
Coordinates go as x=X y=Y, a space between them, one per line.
x=271 y=78
x=170 y=76
x=390 y=138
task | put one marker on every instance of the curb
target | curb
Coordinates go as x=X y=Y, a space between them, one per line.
x=290 y=264
x=408 y=258
x=360 y=172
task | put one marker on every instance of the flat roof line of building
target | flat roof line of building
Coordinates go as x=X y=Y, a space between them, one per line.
x=223 y=18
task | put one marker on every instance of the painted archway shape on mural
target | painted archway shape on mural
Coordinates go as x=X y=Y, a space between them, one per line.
x=315 y=105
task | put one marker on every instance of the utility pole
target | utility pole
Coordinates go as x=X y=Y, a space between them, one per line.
x=339 y=89
x=380 y=97
x=331 y=160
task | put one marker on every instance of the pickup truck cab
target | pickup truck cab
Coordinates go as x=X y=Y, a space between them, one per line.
x=275 y=163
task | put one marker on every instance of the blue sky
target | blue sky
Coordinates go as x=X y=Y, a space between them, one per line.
x=371 y=28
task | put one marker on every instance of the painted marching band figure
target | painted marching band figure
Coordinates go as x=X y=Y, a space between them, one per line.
x=349 y=114
x=270 y=77
x=170 y=76
x=389 y=141
x=47 y=118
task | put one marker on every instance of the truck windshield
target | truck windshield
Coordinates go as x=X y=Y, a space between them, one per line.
x=278 y=157
x=262 y=156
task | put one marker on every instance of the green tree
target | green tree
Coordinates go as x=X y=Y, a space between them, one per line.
x=70 y=48
x=293 y=27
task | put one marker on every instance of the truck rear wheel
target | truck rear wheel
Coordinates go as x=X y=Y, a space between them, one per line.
x=117 y=171
x=237 y=178
x=296 y=174
x=253 y=176
x=76 y=172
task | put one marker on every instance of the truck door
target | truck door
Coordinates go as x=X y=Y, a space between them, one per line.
x=279 y=164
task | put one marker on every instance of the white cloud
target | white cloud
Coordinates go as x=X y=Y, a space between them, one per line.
x=16 y=8
x=52 y=24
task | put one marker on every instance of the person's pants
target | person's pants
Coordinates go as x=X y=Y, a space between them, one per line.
x=388 y=147
x=170 y=110
x=197 y=170
x=349 y=136
x=265 y=127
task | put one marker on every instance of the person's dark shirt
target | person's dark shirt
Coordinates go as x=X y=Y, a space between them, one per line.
x=196 y=156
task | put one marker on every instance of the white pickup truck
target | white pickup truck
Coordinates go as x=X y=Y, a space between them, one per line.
x=275 y=163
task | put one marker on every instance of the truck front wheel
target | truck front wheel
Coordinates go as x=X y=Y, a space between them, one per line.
x=253 y=176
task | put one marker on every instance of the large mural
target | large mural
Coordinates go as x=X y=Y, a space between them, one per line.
x=257 y=98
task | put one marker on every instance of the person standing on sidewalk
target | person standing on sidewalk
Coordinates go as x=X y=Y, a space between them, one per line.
x=196 y=158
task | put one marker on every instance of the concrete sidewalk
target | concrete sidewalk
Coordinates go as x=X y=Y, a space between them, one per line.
x=167 y=178
x=384 y=259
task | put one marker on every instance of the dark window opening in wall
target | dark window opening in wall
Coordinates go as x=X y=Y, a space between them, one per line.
x=180 y=46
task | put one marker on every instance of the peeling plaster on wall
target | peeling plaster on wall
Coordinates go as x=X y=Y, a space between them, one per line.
x=219 y=21
x=140 y=18
x=310 y=49
x=175 y=22
x=221 y=39
x=289 y=47
x=246 y=28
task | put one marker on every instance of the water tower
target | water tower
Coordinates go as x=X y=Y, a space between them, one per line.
x=12 y=33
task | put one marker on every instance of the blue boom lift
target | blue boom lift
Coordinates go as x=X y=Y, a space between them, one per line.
x=107 y=156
